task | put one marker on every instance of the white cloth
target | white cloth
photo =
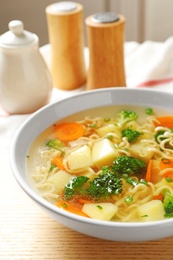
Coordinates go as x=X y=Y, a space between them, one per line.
x=149 y=64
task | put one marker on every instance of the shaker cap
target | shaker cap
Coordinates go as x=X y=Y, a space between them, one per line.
x=16 y=36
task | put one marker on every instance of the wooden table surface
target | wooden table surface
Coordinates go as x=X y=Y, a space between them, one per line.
x=26 y=232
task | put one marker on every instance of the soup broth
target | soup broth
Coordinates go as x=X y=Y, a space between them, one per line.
x=110 y=163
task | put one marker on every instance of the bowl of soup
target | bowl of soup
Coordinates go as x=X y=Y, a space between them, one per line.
x=101 y=163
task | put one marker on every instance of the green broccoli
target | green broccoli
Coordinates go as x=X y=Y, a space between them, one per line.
x=126 y=116
x=75 y=187
x=105 y=185
x=131 y=135
x=101 y=188
x=129 y=165
x=55 y=144
x=168 y=203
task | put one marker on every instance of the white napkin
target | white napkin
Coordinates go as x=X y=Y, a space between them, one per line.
x=149 y=64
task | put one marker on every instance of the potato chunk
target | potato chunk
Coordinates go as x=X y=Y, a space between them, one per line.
x=141 y=148
x=104 y=130
x=103 y=153
x=80 y=158
x=151 y=211
x=101 y=211
x=59 y=180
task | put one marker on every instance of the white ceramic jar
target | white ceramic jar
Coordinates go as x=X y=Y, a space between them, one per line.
x=25 y=80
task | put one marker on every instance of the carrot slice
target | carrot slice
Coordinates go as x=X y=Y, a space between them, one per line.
x=84 y=201
x=69 y=131
x=66 y=205
x=165 y=121
x=58 y=161
x=149 y=170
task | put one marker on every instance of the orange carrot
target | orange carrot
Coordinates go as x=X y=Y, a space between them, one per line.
x=69 y=206
x=165 y=121
x=158 y=197
x=69 y=131
x=84 y=201
x=58 y=161
x=165 y=164
x=149 y=170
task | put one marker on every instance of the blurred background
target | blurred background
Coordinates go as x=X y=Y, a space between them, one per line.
x=145 y=19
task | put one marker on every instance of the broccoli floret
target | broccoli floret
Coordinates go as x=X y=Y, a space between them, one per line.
x=126 y=116
x=131 y=135
x=168 y=203
x=105 y=185
x=75 y=187
x=55 y=144
x=101 y=188
x=129 y=165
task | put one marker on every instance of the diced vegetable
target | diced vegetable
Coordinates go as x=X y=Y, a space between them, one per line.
x=101 y=211
x=58 y=161
x=166 y=121
x=155 y=166
x=104 y=130
x=59 y=180
x=141 y=148
x=149 y=171
x=69 y=206
x=80 y=158
x=151 y=211
x=55 y=144
x=103 y=153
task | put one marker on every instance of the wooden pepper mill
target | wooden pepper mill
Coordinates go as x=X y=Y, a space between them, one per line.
x=65 y=29
x=105 y=34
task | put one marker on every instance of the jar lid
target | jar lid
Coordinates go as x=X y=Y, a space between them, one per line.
x=16 y=36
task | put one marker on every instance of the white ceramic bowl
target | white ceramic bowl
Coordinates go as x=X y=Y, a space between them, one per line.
x=46 y=116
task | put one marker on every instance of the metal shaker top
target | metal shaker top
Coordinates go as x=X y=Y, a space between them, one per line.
x=66 y=6
x=105 y=17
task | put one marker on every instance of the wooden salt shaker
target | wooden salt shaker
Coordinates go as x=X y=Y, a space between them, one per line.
x=65 y=29
x=105 y=34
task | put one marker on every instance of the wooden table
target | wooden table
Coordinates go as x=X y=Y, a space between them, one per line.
x=27 y=232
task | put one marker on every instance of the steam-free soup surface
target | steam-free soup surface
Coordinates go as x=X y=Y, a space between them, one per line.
x=110 y=163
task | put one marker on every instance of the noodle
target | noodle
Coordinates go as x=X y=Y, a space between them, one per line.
x=145 y=148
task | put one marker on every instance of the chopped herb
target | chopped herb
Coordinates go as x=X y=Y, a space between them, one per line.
x=107 y=119
x=110 y=137
x=52 y=167
x=92 y=125
x=128 y=199
x=99 y=207
x=55 y=144
x=132 y=181
x=149 y=111
x=169 y=179
x=144 y=216
x=64 y=205
x=143 y=181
